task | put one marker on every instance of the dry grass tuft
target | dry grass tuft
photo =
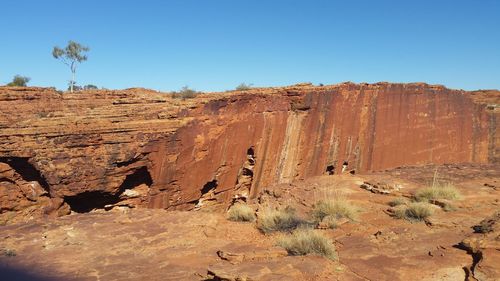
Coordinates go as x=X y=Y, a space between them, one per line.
x=416 y=211
x=241 y=212
x=330 y=222
x=398 y=201
x=306 y=241
x=336 y=208
x=270 y=220
x=437 y=191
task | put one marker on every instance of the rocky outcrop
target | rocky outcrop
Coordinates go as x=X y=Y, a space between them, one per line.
x=136 y=147
x=484 y=247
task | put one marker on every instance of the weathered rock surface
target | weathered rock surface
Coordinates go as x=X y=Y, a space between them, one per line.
x=153 y=244
x=96 y=148
x=484 y=246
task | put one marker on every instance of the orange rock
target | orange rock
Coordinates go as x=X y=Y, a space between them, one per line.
x=89 y=147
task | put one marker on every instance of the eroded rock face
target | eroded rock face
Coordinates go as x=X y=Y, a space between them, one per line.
x=100 y=148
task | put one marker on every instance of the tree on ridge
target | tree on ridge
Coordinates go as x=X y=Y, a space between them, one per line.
x=71 y=56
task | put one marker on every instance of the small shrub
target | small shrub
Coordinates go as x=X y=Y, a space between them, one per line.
x=400 y=212
x=185 y=93
x=243 y=87
x=241 y=212
x=398 y=201
x=277 y=220
x=19 y=81
x=330 y=222
x=9 y=253
x=90 y=87
x=448 y=207
x=306 y=241
x=438 y=191
x=416 y=211
x=336 y=208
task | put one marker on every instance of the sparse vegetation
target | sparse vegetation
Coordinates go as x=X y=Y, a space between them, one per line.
x=9 y=252
x=270 y=220
x=241 y=212
x=336 y=208
x=437 y=191
x=71 y=55
x=19 y=81
x=415 y=211
x=185 y=93
x=398 y=201
x=243 y=87
x=307 y=241
x=90 y=87
x=330 y=222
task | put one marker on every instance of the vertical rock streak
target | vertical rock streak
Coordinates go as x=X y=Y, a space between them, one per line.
x=91 y=142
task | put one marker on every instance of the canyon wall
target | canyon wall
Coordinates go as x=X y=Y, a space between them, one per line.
x=136 y=147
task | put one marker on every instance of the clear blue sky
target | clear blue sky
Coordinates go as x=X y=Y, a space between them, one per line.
x=217 y=44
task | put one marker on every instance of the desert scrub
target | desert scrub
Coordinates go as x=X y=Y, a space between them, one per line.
x=306 y=241
x=398 y=201
x=335 y=208
x=269 y=220
x=437 y=191
x=415 y=211
x=185 y=93
x=241 y=212
x=329 y=222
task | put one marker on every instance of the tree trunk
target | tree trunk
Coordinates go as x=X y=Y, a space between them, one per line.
x=72 y=80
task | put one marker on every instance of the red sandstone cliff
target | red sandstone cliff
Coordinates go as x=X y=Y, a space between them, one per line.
x=141 y=148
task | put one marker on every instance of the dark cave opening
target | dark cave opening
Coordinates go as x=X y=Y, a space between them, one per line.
x=330 y=170
x=26 y=170
x=208 y=186
x=140 y=176
x=90 y=200
x=251 y=155
x=247 y=172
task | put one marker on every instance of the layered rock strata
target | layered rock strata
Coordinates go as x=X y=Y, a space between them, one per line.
x=141 y=148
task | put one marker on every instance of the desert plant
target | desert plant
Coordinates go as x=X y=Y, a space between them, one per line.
x=307 y=241
x=243 y=87
x=90 y=87
x=437 y=191
x=19 y=81
x=241 y=212
x=185 y=93
x=71 y=55
x=336 y=208
x=398 y=201
x=330 y=222
x=270 y=220
x=9 y=252
x=415 y=211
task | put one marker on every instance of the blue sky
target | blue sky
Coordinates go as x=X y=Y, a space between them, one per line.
x=217 y=44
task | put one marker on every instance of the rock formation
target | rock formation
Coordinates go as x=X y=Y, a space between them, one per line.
x=141 y=148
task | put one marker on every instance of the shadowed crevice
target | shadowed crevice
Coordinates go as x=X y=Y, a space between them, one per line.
x=90 y=200
x=26 y=170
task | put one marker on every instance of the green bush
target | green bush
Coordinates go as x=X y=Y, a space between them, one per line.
x=19 y=81
x=243 y=87
x=307 y=241
x=185 y=93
